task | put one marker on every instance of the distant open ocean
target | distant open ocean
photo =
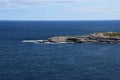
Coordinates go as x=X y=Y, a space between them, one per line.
x=30 y=61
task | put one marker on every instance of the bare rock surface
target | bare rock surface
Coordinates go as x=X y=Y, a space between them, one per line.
x=103 y=37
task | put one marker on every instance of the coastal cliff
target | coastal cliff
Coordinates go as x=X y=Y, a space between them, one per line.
x=103 y=37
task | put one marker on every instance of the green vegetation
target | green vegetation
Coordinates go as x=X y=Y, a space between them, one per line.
x=113 y=34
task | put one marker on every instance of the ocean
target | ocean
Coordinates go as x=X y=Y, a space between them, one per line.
x=30 y=61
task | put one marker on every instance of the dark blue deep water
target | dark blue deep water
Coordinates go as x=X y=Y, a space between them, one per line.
x=29 y=61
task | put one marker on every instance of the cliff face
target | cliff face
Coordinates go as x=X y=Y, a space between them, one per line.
x=110 y=37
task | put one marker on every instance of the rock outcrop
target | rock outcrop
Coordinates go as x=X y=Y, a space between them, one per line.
x=108 y=37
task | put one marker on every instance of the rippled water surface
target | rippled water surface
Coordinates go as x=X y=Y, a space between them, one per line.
x=30 y=61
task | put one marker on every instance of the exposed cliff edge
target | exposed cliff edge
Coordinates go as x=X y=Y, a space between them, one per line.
x=103 y=37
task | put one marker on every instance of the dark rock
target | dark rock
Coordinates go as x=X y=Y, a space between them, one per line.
x=72 y=40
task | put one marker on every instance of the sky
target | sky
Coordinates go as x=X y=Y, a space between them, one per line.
x=59 y=9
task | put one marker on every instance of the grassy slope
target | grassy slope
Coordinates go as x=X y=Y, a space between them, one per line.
x=113 y=34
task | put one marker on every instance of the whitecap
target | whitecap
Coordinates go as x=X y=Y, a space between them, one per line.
x=29 y=41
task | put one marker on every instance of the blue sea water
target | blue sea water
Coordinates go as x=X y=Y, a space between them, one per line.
x=30 y=61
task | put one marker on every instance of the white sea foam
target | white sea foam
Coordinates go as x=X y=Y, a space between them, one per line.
x=41 y=42
x=29 y=41
x=36 y=41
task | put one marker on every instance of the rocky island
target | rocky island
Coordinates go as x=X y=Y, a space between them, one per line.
x=102 y=37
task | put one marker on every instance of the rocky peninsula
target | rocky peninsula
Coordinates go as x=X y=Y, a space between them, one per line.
x=102 y=37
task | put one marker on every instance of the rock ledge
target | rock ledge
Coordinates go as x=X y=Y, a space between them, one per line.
x=108 y=37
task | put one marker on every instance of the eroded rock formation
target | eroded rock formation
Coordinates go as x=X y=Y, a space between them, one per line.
x=108 y=37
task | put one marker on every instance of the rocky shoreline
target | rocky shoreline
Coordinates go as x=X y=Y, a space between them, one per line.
x=103 y=37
